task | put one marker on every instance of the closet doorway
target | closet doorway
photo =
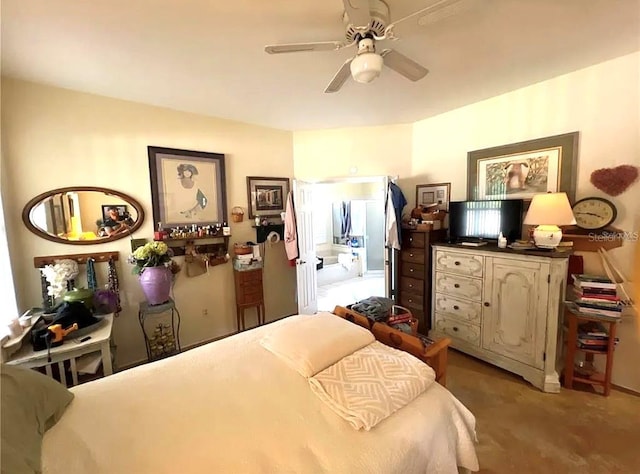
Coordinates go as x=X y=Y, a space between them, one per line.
x=349 y=237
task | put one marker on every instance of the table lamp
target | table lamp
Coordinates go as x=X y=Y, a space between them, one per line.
x=548 y=211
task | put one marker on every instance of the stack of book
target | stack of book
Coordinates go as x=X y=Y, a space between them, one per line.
x=596 y=295
x=593 y=336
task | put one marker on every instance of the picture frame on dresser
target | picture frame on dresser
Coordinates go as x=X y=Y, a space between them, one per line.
x=521 y=170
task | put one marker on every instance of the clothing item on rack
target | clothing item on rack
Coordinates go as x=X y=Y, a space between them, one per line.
x=393 y=215
x=290 y=231
x=92 y=282
x=114 y=285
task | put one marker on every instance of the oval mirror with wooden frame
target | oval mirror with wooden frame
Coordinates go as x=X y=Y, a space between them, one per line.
x=83 y=215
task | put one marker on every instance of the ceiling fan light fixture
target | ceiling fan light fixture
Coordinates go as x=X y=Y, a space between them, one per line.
x=366 y=67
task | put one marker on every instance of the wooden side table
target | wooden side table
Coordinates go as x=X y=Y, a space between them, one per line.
x=572 y=318
x=249 y=294
x=99 y=341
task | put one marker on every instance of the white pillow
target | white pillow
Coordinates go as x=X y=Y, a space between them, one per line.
x=311 y=343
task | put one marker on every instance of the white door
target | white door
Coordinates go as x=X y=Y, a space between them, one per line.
x=306 y=263
x=515 y=309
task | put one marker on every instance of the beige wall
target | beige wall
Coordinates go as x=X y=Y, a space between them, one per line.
x=374 y=151
x=601 y=102
x=54 y=138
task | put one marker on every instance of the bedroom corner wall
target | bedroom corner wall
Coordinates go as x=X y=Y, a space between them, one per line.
x=55 y=137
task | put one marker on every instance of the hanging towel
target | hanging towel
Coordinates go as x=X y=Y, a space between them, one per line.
x=345 y=218
x=393 y=219
x=290 y=232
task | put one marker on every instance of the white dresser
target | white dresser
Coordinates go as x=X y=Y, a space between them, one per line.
x=501 y=306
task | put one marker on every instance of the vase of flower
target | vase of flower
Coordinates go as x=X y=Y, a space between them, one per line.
x=156 y=284
x=155 y=271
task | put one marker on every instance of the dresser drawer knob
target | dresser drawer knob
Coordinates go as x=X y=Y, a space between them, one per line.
x=456 y=263
x=410 y=285
x=456 y=307
x=410 y=255
x=410 y=239
x=411 y=270
x=410 y=300
x=456 y=285
x=486 y=303
x=455 y=328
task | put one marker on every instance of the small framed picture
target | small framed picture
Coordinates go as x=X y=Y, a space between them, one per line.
x=267 y=196
x=428 y=194
x=116 y=212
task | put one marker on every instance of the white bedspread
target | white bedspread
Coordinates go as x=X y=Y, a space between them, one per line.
x=234 y=407
x=370 y=384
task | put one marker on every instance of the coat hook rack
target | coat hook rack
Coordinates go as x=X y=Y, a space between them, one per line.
x=40 y=262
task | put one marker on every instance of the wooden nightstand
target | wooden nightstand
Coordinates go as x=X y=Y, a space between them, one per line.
x=249 y=294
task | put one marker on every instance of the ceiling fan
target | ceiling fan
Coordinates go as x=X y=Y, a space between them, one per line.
x=367 y=21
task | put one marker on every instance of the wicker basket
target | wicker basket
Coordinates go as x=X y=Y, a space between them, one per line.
x=237 y=214
x=242 y=249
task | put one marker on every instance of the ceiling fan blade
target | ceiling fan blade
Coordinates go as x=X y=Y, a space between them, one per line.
x=358 y=13
x=300 y=47
x=437 y=10
x=340 y=78
x=403 y=65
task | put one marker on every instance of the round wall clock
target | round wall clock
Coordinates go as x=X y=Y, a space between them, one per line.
x=594 y=213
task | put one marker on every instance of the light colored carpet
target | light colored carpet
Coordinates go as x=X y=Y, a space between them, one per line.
x=523 y=430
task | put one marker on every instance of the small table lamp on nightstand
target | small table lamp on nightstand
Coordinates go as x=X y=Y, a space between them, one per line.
x=548 y=211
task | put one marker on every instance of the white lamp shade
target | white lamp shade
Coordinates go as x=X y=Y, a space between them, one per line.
x=366 y=67
x=550 y=208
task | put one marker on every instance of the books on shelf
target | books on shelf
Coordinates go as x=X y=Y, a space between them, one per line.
x=592 y=335
x=593 y=281
x=596 y=295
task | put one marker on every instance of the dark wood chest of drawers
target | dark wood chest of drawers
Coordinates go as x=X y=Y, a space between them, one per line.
x=248 y=285
x=414 y=265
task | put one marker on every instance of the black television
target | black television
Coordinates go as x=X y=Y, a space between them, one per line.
x=484 y=220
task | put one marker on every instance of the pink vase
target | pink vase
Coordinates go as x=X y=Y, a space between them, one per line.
x=156 y=284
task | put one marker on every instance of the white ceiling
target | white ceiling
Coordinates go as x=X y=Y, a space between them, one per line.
x=206 y=56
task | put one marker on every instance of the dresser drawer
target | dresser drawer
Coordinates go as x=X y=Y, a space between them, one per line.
x=457 y=330
x=466 y=311
x=412 y=285
x=250 y=295
x=463 y=264
x=412 y=255
x=413 y=270
x=251 y=276
x=413 y=239
x=411 y=300
x=454 y=285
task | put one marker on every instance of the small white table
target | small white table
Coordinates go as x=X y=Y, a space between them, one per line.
x=70 y=350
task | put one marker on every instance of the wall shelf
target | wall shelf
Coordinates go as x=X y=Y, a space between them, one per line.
x=40 y=262
x=263 y=230
x=590 y=241
x=215 y=250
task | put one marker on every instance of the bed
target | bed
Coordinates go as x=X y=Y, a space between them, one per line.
x=231 y=406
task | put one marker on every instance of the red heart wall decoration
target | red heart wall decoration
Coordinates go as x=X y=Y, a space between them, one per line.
x=614 y=181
